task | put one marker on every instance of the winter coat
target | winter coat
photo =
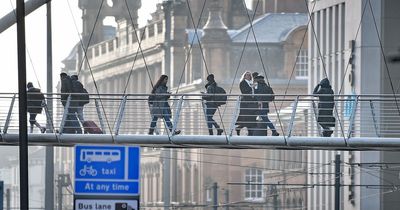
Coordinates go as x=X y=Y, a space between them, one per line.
x=326 y=103
x=159 y=107
x=79 y=92
x=263 y=88
x=248 y=107
x=210 y=89
x=34 y=100
x=66 y=87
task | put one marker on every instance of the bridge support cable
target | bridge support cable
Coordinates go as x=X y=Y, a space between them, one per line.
x=196 y=36
x=384 y=57
x=85 y=58
x=203 y=58
x=323 y=63
x=264 y=66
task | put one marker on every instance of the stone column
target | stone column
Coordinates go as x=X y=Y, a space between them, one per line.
x=216 y=46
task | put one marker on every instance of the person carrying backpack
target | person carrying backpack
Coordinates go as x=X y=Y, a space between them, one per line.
x=71 y=122
x=212 y=103
x=80 y=97
x=34 y=102
x=263 y=101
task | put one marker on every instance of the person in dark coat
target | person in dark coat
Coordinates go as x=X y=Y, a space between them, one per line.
x=35 y=98
x=248 y=106
x=263 y=101
x=159 y=106
x=325 y=106
x=66 y=87
x=77 y=97
x=71 y=122
x=211 y=106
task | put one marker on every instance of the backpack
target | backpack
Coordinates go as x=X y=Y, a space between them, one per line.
x=220 y=96
x=85 y=97
x=269 y=91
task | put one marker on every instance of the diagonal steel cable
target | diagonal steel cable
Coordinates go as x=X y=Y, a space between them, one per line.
x=324 y=67
x=264 y=66
x=85 y=58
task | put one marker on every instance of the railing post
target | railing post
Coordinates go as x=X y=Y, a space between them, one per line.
x=352 y=116
x=293 y=116
x=65 y=114
x=177 y=115
x=234 y=116
x=316 y=117
x=48 y=116
x=9 y=114
x=373 y=117
x=120 y=115
x=100 y=116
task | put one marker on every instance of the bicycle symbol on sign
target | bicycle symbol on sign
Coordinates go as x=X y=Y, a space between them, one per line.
x=88 y=170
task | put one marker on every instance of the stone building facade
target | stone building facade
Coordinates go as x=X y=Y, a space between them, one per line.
x=169 y=44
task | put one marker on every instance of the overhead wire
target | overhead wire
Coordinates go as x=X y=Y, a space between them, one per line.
x=85 y=58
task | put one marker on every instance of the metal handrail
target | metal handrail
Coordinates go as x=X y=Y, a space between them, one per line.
x=371 y=116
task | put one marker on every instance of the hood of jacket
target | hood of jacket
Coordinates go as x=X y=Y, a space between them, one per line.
x=325 y=83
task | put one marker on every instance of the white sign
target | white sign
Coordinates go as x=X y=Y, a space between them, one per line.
x=93 y=204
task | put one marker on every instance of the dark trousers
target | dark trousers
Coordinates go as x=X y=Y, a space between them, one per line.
x=264 y=117
x=210 y=111
x=166 y=117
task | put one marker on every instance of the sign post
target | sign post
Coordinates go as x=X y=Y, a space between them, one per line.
x=107 y=177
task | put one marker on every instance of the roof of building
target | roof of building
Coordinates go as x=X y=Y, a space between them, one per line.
x=269 y=28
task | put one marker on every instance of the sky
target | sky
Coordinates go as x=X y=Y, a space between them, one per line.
x=66 y=26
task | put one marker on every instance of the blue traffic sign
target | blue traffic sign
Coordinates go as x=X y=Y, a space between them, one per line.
x=107 y=170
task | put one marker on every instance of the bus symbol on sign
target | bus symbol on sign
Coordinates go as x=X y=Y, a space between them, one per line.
x=100 y=155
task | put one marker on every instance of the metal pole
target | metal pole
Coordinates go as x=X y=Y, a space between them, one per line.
x=59 y=192
x=226 y=199
x=337 y=182
x=215 y=196
x=8 y=199
x=275 y=195
x=166 y=178
x=8 y=20
x=23 y=130
x=49 y=185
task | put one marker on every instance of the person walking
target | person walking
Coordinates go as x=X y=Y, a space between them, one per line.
x=159 y=106
x=80 y=97
x=325 y=106
x=35 y=99
x=263 y=101
x=248 y=107
x=71 y=122
x=211 y=105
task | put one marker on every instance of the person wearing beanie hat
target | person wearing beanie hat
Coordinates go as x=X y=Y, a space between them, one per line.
x=34 y=104
x=211 y=105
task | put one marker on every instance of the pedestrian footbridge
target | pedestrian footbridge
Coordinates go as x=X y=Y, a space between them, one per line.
x=363 y=122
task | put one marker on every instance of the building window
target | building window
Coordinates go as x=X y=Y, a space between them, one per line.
x=253 y=191
x=302 y=65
